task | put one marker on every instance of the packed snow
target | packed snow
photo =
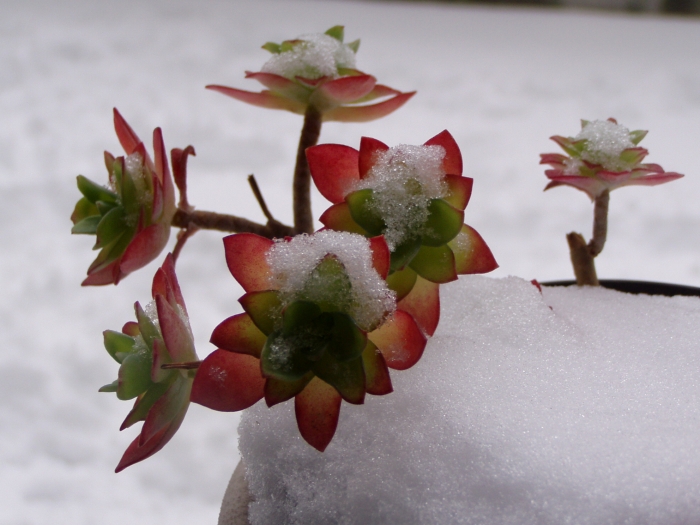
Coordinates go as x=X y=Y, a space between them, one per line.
x=524 y=409
x=501 y=80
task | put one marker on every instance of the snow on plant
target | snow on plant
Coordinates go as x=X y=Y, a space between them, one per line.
x=320 y=325
x=144 y=349
x=604 y=156
x=413 y=195
x=131 y=218
x=317 y=71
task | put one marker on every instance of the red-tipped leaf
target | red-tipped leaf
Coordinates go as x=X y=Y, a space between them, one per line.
x=460 y=190
x=339 y=218
x=347 y=89
x=400 y=340
x=376 y=371
x=228 y=382
x=334 y=170
x=423 y=303
x=317 y=408
x=367 y=113
x=369 y=149
x=471 y=253
x=246 y=257
x=381 y=256
x=452 y=163
x=239 y=334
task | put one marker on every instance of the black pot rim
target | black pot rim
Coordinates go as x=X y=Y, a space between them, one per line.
x=638 y=287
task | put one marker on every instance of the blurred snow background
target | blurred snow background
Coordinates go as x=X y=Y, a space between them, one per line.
x=501 y=80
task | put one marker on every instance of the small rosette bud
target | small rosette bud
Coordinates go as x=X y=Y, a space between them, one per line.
x=161 y=336
x=318 y=71
x=320 y=325
x=603 y=156
x=130 y=218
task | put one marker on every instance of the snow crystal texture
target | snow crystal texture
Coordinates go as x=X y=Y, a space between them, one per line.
x=292 y=264
x=404 y=179
x=605 y=141
x=319 y=55
x=579 y=406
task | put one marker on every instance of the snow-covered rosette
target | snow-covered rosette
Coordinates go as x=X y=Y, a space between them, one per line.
x=161 y=336
x=318 y=70
x=320 y=325
x=130 y=219
x=414 y=196
x=603 y=156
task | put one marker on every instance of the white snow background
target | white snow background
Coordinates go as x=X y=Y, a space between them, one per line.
x=501 y=80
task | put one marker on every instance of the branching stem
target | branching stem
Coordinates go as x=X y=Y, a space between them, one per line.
x=303 y=218
x=582 y=254
x=209 y=220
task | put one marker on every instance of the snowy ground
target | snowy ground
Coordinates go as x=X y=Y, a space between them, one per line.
x=501 y=80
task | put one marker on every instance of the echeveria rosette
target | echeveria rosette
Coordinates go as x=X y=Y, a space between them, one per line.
x=413 y=195
x=161 y=336
x=307 y=333
x=319 y=70
x=130 y=218
x=603 y=156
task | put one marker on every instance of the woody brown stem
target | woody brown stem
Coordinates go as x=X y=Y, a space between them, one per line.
x=582 y=260
x=303 y=219
x=229 y=223
x=582 y=254
x=600 y=223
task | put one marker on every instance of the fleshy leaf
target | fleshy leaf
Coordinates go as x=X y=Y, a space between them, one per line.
x=471 y=253
x=176 y=334
x=423 y=303
x=93 y=192
x=364 y=213
x=381 y=256
x=239 y=334
x=452 y=163
x=228 y=382
x=334 y=169
x=367 y=113
x=443 y=224
x=285 y=358
x=317 y=408
x=460 y=191
x=246 y=256
x=118 y=345
x=369 y=149
x=339 y=218
x=264 y=309
x=402 y=281
x=278 y=391
x=404 y=253
x=344 y=89
x=347 y=377
x=134 y=375
x=400 y=340
x=378 y=382
x=435 y=264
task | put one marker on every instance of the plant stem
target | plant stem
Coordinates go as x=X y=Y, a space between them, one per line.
x=191 y=365
x=582 y=260
x=209 y=220
x=582 y=254
x=600 y=223
x=303 y=219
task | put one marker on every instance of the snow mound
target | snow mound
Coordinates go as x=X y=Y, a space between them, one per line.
x=318 y=55
x=576 y=406
x=605 y=141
